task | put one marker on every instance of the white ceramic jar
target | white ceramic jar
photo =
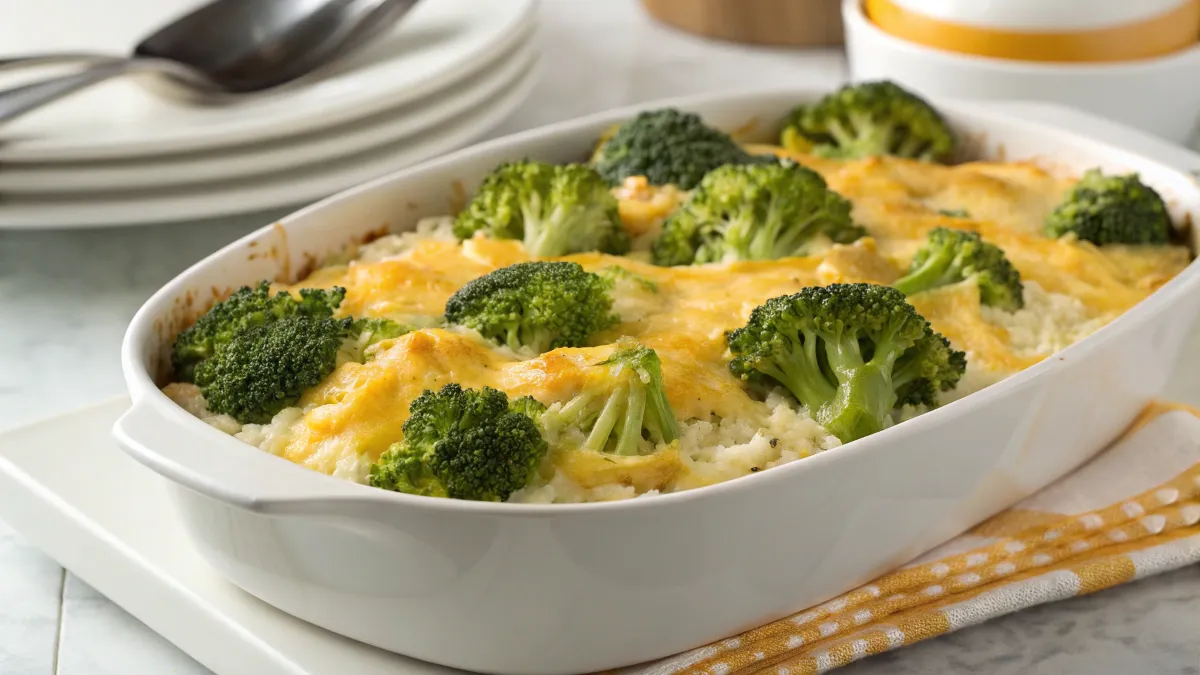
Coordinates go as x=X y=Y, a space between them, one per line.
x=1043 y=30
x=1158 y=94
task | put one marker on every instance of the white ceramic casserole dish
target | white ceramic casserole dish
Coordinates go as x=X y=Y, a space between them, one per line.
x=513 y=588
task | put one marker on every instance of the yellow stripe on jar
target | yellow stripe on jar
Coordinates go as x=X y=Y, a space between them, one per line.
x=1171 y=31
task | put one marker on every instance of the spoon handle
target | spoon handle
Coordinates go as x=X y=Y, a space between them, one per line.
x=17 y=101
x=52 y=59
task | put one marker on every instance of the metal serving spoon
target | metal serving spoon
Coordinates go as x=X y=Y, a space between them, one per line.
x=226 y=47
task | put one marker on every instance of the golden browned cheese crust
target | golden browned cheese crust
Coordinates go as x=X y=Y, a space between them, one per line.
x=898 y=201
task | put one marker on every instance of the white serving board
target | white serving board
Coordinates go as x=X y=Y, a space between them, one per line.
x=73 y=493
x=67 y=487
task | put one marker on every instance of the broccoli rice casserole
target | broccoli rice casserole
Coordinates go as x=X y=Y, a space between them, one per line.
x=678 y=311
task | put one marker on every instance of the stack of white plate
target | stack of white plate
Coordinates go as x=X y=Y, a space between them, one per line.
x=120 y=154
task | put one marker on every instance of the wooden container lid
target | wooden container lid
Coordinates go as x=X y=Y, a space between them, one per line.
x=791 y=23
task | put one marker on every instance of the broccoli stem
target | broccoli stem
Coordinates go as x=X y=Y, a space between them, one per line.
x=789 y=243
x=765 y=238
x=777 y=238
x=660 y=416
x=860 y=407
x=631 y=430
x=844 y=137
x=539 y=340
x=905 y=373
x=576 y=407
x=546 y=236
x=535 y=222
x=619 y=418
x=845 y=357
x=513 y=336
x=802 y=375
x=607 y=419
x=867 y=394
x=930 y=274
x=520 y=338
x=911 y=146
x=871 y=135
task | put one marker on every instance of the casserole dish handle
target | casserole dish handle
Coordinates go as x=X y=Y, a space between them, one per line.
x=226 y=469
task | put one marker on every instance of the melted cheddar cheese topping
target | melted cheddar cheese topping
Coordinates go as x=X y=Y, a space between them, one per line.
x=360 y=408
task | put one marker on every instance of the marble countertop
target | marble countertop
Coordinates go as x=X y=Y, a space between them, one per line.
x=65 y=298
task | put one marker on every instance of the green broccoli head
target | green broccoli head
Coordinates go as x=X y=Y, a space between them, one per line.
x=529 y=407
x=754 y=212
x=668 y=147
x=366 y=333
x=951 y=256
x=535 y=306
x=553 y=209
x=1111 y=210
x=463 y=444
x=267 y=367
x=627 y=412
x=375 y=330
x=929 y=367
x=246 y=308
x=870 y=119
x=619 y=275
x=849 y=352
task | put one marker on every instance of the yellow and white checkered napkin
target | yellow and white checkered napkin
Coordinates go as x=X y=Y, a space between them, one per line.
x=1131 y=512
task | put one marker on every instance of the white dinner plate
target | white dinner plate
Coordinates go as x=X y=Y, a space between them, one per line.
x=278 y=190
x=256 y=160
x=439 y=43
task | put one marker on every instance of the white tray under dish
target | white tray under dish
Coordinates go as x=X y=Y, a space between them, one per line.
x=73 y=493
x=66 y=487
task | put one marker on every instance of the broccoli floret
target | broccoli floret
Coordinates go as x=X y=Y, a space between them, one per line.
x=375 y=330
x=463 y=444
x=366 y=333
x=870 y=119
x=931 y=366
x=666 y=146
x=1111 y=210
x=245 y=308
x=554 y=209
x=754 y=212
x=849 y=352
x=268 y=367
x=950 y=256
x=529 y=407
x=618 y=274
x=629 y=414
x=535 y=306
